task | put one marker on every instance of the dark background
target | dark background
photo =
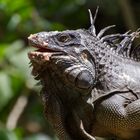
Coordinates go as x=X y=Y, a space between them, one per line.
x=21 y=110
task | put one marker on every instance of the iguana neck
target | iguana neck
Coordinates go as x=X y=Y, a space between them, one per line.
x=114 y=70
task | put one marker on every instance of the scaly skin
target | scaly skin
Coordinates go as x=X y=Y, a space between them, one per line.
x=90 y=84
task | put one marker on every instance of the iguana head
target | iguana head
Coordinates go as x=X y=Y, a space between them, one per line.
x=71 y=42
x=66 y=54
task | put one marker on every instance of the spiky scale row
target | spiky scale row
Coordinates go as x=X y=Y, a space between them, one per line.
x=124 y=47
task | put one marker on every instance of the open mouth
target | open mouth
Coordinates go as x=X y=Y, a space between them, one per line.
x=38 y=58
x=42 y=52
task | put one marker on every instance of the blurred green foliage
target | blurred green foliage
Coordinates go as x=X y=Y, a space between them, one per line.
x=18 y=19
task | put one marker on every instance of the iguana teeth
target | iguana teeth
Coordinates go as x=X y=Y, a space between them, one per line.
x=39 y=56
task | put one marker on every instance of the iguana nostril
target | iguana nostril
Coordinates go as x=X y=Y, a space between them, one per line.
x=45 y=44
x=32 y=36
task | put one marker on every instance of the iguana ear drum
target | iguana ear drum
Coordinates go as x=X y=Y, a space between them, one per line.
x=80 y=77
x=84 y=80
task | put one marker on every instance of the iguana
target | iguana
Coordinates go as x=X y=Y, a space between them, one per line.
x=90 y=82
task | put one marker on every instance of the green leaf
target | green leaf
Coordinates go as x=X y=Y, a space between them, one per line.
x=21 y=62
x=5 y=89
x=7 y=135
x=13 y=48
x=14 y=21
x=2 y=49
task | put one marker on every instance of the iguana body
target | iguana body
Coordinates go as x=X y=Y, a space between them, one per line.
x=91 y=84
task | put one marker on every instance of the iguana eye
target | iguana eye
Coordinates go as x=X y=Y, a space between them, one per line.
x=64 y=38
